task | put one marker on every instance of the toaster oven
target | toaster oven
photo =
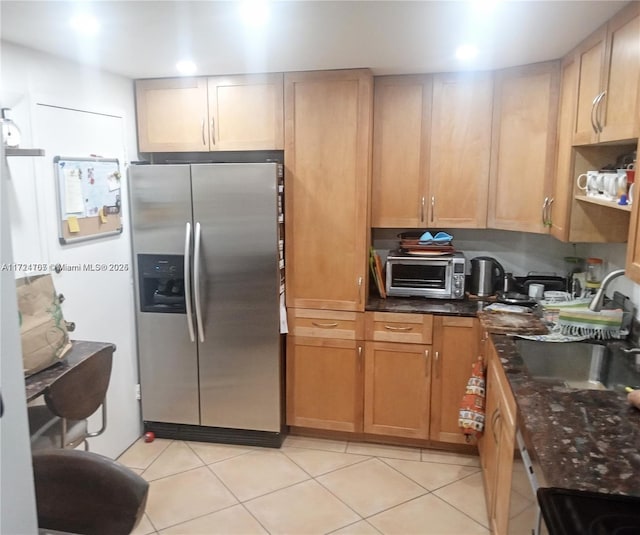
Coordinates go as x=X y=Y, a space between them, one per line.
x=435 y=277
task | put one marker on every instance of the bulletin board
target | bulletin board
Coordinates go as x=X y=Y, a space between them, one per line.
x=89 y=198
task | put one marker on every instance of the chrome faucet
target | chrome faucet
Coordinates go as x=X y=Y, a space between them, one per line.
x=596 y=302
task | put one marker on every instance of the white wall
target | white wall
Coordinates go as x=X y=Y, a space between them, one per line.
x=100 y=305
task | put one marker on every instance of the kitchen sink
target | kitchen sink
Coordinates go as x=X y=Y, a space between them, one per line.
x=580 y=365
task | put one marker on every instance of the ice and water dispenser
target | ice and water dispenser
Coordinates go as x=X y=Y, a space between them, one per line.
x=161 y=283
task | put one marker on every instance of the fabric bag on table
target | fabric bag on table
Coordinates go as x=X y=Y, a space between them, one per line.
x=472 y=409
x=43 y=331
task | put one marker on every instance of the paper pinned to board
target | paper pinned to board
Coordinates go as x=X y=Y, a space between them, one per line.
x=73 y=199
x=74 y=226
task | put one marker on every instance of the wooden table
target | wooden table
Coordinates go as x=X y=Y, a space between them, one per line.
x=36 y=384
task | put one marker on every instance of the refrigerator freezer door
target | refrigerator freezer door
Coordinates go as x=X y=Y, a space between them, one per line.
x=160 y=207
x=236 y=206
x=168 y=369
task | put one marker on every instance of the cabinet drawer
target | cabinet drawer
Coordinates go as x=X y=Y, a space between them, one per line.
x=326 y=323
x=394 y=327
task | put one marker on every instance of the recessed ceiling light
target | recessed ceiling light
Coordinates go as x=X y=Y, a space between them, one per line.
x=85 y=24
x=186 y=66
x=484 y=6
x=254 y=13
x=466 y=52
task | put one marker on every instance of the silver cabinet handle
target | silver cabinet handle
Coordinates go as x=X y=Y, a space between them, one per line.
x=213 y=130
x=427 y=363
x=422 y=210
x=437 y=359
x=359 y=358
x=598 y=110
x=187 y=280
x=360 y=280
x=494 y=424
x=544 y=210
x=204 y=141
x=433 y=207
x=196 y=282
x=325 y=325
x=392 y=328
x=593 y=112
x=548 y=220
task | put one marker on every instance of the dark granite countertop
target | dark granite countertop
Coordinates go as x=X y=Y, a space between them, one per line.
x=579 y=439
x=421 y=305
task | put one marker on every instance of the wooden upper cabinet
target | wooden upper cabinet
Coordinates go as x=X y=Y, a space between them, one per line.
x=632 y=267
x=327 y=154
x=609 y=63
x=208 y=114
x=246 y=112
x=172 y=115
x=523 y=147
x=432 y=139
x=400 y=149
x=460 y=150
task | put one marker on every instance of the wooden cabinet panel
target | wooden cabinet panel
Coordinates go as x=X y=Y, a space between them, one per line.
x=172 y=115
x=590 y=60
x=498 y=443
x=324 y=383
x=246 y=112
x=396 y=389
x=455 y=350
x=400 y=148
x=523 y=147
x=632 y=266
x=394 y=327
x=328 y=143
x=460 y=150
x=326 y=324
x=609 y=62
x=209 y=114
x=621 y=76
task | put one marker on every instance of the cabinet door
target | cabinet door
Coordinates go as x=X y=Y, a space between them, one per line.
x=617 y=111
x=590 y=57
x=490 y=441
x=328 y=145
x=246 y=112
x=400 y=149
x=564 y=180
x=324 y=383
x=632 y=267
x=396 y=389
x=455 y=349
x=460 y=150
x=172 y=115
x=523 y=147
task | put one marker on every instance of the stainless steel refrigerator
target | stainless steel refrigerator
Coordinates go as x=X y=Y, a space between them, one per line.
x=206 y=249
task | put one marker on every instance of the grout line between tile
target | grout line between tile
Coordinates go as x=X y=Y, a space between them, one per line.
x=461 y=511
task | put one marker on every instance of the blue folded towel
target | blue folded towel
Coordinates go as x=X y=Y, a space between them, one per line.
x=440 y=237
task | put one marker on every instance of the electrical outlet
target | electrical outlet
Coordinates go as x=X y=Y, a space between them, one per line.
x=137 y=391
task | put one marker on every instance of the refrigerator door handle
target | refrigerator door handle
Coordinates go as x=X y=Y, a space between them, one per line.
x=196 y=283
x=187 y=280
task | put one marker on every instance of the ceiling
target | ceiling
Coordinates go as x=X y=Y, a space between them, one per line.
x=144 y=39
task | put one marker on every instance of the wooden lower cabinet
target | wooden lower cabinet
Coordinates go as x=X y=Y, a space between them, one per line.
x=497 y=444
x=397 y=384
x=455 y=349
x=406 y=380
x=324 y=383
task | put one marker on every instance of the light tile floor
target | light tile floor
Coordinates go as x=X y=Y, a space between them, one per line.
x=309 y=486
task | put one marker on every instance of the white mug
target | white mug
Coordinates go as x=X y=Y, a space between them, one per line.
x=610 y=185
x=536 y=291
x=632 y=187
x=592 y=183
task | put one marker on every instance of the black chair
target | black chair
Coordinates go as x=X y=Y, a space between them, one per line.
x=69 y=401
x=83 y=492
